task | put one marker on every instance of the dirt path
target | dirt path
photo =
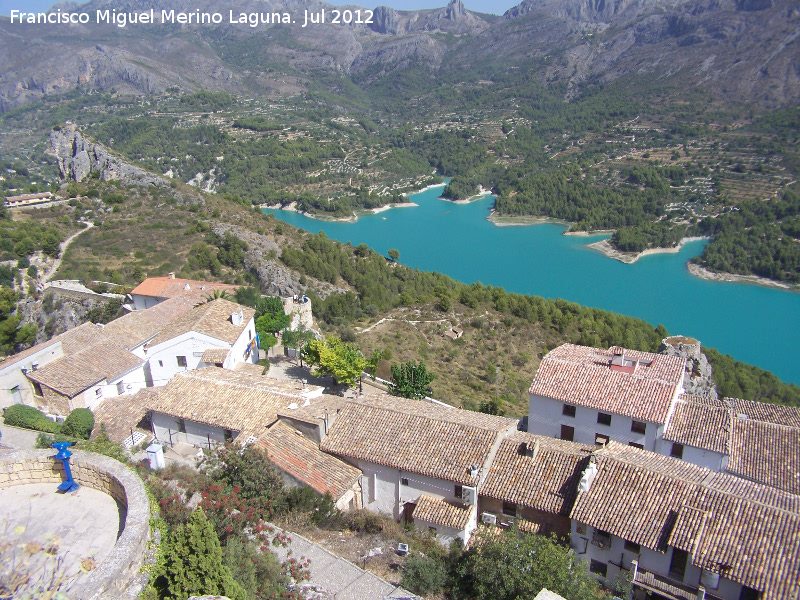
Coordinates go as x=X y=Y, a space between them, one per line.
x=63 y=248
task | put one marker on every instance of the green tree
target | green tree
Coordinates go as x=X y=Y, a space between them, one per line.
x=394 y=254
x=79 y=423
x=332 y=356
x=517 y=565
x=411 y=380
x=270 y=318
x=424 y=574
x=259 y=573
x=192 y=563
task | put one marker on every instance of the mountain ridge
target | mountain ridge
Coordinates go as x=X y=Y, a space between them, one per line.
x=740 y=50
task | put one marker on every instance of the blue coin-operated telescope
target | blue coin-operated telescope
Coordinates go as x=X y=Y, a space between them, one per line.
x=63 y=455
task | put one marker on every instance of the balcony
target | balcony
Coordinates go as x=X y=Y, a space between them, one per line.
x=666 y=587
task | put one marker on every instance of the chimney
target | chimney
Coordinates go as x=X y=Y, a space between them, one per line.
x=172 y=275
x=532 y=449
x=237 y=318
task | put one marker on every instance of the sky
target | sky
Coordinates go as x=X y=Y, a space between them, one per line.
x=485 y=6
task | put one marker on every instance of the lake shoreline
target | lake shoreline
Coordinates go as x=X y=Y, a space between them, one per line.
x=703 y=273
x=292 y=207
x=605 y=247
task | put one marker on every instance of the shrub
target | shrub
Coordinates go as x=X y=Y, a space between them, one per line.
x=28 y=417
x=424 y=575
x=79 y=423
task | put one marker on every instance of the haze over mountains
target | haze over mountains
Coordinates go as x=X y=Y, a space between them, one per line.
x=740 y=50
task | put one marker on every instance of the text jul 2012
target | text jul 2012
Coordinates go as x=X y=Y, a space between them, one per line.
x=171 y=16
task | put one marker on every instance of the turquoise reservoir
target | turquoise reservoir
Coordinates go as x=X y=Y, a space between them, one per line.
x=752 y=323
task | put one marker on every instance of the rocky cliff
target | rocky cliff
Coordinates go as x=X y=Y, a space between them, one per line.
x=78 y=158
x=699 y=376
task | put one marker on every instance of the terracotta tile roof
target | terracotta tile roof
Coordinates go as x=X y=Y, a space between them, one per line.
x=762 y=440
x=743 y=530
x=301 y=458
x=416 y=436
x=249 y=369
x=326 y=405
x=439 y=512
x=700 y=422
x=137 y=327
x=583 y=376
x=76 y=371
x=120 y=414
x=212 y=319
x=169 y=287
x=528 y=527
x=766 y=452
x=217 y=356
x=225 y=399
x=769 y=413
x=537 y=471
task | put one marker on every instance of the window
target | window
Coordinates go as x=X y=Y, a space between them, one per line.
x=121 y=387
x=181 y=426
x=161 y=363
x=568 y=410
x=635 y=445
x=638 y=427
x=598 y=568
x=677 y=566
x=600 y=439
x=228 y=435
x=459 y=493
x=677 y=451
x=567 y=433
x=37 y=389
x=98 y=392
x=181 y=361
x=749 y=594
x=632 y=547
x=601 y=538
x=603 y=418
x=509 y=509
x=404 y=481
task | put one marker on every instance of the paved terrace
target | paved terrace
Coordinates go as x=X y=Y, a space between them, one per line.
x=334 y=578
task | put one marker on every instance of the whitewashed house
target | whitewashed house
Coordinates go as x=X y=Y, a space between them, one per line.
x=218 y=332
x=681 y=531
x=95 y=366
x=155 y=290
x=413 y=452
x=590 y=396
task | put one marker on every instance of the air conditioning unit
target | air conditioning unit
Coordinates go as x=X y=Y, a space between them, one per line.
x=489 y=519
x=469 y=495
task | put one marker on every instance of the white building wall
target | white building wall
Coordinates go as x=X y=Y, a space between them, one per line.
x=163 y=358
x=12 y=378
x=619 y=561
x=697 y=456
x=545 y=417
x=168 y=428
x=143 y=302
x=385 y=491
x=237 y=354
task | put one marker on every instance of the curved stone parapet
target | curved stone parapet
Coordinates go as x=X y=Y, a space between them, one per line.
x=113 y=575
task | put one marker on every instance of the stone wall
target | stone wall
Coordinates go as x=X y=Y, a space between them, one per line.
x=111 y=578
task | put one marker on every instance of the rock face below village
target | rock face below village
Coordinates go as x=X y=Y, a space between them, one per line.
x=698 y=379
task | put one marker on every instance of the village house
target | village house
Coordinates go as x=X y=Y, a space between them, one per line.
x=754 y=440
x=154 y=290
x=592 y=396
x=213 y=405
x=414 y=453
x=218 y=332
x=95 y=366
x=681 y=531
x=532 y=482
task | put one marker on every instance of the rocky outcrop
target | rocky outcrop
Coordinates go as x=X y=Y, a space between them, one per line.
x=698 y=379
x=385 y=20
x=78 y=158
x=56 y=312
